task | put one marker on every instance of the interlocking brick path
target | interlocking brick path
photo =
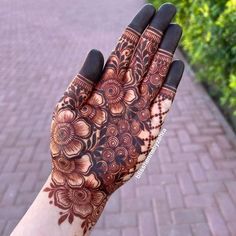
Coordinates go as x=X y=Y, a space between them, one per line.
x=188 y=188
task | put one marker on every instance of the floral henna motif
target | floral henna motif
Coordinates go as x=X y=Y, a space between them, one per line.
x=119 y=60
x=77 y=92
x=99 y=141
x=156 y=74
x=68 y=132
x=85 y=202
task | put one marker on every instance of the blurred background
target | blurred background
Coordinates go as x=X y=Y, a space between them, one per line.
x=189 y=187
x=209 y=42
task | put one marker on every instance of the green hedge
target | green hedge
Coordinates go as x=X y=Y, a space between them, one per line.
x=209 y=39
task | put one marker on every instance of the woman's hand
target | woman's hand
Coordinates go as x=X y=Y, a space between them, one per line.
x=108 y=119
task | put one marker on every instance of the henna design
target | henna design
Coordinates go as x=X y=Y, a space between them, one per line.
x=156 y=74
x=99 y=141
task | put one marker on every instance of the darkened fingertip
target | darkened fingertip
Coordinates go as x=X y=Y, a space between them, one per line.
x=171 y=38
x=175 y=74
x=93 y=65
x=142 y=19
x=163 y=17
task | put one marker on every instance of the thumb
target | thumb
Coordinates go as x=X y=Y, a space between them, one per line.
x=82 y=85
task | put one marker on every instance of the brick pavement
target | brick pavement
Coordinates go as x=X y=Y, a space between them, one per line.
x=188 y=188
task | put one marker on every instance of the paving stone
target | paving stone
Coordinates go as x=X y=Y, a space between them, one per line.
x=226 y=205
x=120 y=220
x=174 y=195
x=162 y=212
x=188 y=216
x=232 y=228
x=176 y=230
x=173 y=167
x=186 y=183
x=201 y=229
x=216 y=222
x=197 y=171
x=136 y=204
x=231 y=185
x=193 y=170
x=211 y=187
x=106 y=232
x=203 y=200
x=220 y=175
x=147 y=218
x=162 y=179
x=130 y=231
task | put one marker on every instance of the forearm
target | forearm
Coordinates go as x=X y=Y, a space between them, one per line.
x=42 y=219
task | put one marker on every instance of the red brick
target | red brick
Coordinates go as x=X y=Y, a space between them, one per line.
x=216 y=222
x=174 y=195
x=2 y=225
x=120 y=220
x=173 y=167
x=193 y=148
x=129 y=232
x=29 y=182
x=226 y=205
x=223 y=142
x=220 y=175
x=113 y=205
x=192 y=128
x=177 y=230
x=231 y=185
x=184 y=157
x=186 y=183
x=232 y=228
x=149 y=193
x=9 y=226
x=188 y=216
x=215 y=151
x=211 y=187
x=136 y=204
x=227 y=164
x=174 y=145
x=201 y=201
x=162 y=212
x=201 y=229
x=163 y=154
x=106 y=232
x=162 y=179
x=197 y=171
x=206 y=161
x=10 y=194
x=146 y=219
x=183 y=136
x=128 y=190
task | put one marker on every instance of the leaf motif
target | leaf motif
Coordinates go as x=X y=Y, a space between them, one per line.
x=71 y=218
x=140 y=141
x=47 y=190
x=83 y=224
x=95 y=153
x=103 y=131
x=146 y=126
x=94 y=140
x=62 y=218
x=89 y=144
x=50 y=194
x=102 y=141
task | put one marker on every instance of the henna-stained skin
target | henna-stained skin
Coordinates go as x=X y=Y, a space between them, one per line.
x=101 y=133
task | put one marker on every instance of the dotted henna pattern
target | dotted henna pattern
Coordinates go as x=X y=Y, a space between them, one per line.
x=99 y=141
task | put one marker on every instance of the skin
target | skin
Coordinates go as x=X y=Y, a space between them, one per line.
x=106 y=123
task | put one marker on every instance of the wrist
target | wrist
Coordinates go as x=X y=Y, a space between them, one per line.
x=83 y=204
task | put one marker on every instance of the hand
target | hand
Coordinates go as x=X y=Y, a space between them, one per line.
x=108 y=119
